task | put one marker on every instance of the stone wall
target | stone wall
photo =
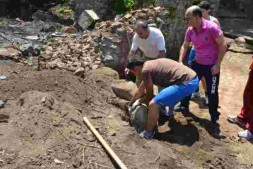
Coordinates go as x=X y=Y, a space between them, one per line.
x=174 y=27
x=236 y=9
x=102 y=7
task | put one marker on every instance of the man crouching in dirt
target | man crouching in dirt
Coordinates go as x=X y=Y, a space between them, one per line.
x=178 y=81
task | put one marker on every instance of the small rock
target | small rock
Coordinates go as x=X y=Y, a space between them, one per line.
x=58 y=161
x=69 y=29
x=240 y=40
x=79 y=71
x=94 y=67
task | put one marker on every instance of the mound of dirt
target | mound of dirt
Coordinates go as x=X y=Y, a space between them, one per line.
x=41 y=126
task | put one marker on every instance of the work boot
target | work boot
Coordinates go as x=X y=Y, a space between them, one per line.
x=234 y=119
x=246 y=134
x=181 y=108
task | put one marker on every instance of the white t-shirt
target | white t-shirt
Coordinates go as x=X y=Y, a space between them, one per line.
x=150 y=46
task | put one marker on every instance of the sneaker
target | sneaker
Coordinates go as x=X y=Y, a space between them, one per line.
x=195 y=95
x=147 y=134
x=181 y=108
x=234 y=119
x=245 y=134
x=206 y=100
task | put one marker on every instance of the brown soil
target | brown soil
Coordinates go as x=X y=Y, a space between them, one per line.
x=42 y=121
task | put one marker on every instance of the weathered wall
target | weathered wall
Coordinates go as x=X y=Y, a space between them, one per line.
x=102 y=7
x=174 y=27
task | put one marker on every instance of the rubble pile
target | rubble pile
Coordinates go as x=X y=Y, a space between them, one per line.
x=78 y=55
x=108 y=43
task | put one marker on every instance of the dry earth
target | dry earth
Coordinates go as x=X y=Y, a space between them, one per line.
x=42 y=122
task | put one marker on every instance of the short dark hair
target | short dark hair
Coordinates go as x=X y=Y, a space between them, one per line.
x=134 y=61
x=205 y=5
x=142 y=23
x=197 y=12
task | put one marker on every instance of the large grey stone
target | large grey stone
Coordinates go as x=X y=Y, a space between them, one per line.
x=138 y=117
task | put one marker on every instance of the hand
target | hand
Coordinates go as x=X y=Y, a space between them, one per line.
x=251 y=64
x=215 y=69
x=126 y=71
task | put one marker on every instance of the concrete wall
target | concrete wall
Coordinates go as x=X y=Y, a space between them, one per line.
x=102 y=7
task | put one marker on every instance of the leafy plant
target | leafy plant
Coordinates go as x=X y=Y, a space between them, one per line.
x=64 y=11
x=3 y=21
x=123 y=6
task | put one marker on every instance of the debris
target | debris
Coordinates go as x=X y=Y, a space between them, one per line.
x=58 y=161
x=69 y=29
x=240 y=40
x=87 y=18
x=2 y=103
x=2 y=77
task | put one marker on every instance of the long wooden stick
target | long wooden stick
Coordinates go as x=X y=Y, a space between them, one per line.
x=105 y=145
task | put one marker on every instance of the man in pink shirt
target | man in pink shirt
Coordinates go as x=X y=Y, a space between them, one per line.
x=210 y=48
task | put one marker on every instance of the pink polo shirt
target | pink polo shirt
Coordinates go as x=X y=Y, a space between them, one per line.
x=204 y=42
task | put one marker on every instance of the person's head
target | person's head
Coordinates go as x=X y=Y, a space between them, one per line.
x=193 y=16
x=205 y=7
x=135 y=64
x=142 y=29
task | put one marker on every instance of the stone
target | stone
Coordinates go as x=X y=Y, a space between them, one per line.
x=240 y=40
x=58 y=161
x=106 y=71
x=9 y=52
x=69 y=29
x=87 y=18
x=138 y=117
x=79 y=71
x=123 y=89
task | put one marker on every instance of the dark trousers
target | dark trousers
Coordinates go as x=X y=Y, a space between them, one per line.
x=212 y=83
x=247 y=109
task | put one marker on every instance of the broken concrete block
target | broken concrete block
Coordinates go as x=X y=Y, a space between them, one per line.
x=87 y=18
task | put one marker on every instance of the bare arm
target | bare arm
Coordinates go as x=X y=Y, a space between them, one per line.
x=216 y=21
x=251 y=64
x=146 y=85
x=137 y=94
x=149 y=88
x=222 y=49
x=183 y=51
x=161 y=54
x=132 y=53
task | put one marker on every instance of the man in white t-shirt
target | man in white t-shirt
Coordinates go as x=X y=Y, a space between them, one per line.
x=149 y=40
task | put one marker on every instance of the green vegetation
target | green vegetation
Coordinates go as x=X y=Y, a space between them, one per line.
x=123 y=6
x=171 y=13
x=64 y=11
x=3 y=21
x=195 y=2
x=149 y=2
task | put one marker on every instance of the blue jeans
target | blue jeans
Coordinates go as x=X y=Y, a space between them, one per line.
x=171 y=95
